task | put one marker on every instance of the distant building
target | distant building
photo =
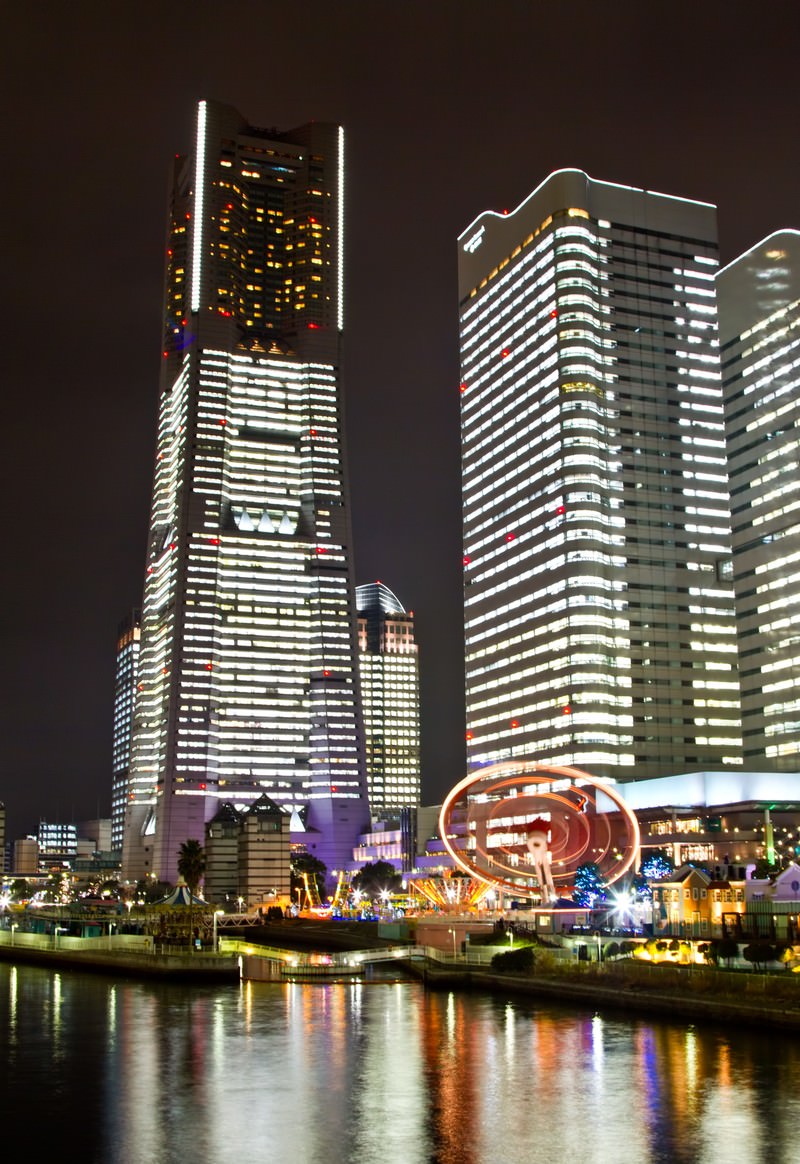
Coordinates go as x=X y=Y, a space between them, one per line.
x=599 y=608
x=58 y=843
x=126 y=677
x=388 y=660
x=759 y=323
x=2 y=837
x=26 y=857
x=248 y=855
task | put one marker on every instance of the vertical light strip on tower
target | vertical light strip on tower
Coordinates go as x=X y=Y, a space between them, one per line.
x=199 y=195
x=340 y=241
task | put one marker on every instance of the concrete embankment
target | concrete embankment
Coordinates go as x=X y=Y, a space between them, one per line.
x=746 y=999
x=200 y=967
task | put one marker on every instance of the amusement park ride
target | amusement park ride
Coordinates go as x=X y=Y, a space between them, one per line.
x=522 y=829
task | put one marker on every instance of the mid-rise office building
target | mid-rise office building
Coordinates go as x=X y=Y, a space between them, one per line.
x=599 y=607
x=247 y=672
x=389 y=669
x=126 y=677
x=759 y=323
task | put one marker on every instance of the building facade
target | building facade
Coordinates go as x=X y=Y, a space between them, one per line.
x=759 y=322
x=599 y=607
x=389 y=669
x=248 y=676
x=126 y=678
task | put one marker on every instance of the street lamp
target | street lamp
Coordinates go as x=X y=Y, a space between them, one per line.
x=453 y=932
x=217 y=913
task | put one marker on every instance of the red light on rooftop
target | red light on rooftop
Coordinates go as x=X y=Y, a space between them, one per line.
x=223 y=422
x=505 y=352
x=313 y=327
x=567 y=710
x=463 y=388
x=172 y=545
x=202 y=787
x=326 y=674
x=164 y=671
x=334 y=788
x=209 y=666
x=214 y=541
x=504 y=211
x=515 y=723
x=165 y=354
x=312 y=432
x=466 y=559
x=553 y=313
x=510 y=537
x=560 y=509
x=469 y=735
x=322 y=549
x=149 y=569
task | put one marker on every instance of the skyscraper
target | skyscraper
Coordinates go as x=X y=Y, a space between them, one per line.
x=389 y=669
x=599 y=613
x=126 y=678
x=248 y=675
x=759 y=323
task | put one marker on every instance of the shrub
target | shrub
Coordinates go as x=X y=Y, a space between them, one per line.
x=519 y=961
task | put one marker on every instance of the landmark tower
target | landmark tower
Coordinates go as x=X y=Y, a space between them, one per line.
x=247 y=674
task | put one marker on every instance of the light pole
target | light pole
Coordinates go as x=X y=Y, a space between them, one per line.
x=217 y=913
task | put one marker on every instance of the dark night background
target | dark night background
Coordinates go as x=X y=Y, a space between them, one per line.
x=450 y=107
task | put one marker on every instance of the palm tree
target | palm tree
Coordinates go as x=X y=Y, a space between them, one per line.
x=191 y=866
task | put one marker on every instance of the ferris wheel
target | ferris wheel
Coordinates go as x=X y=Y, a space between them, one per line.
x=525 y=828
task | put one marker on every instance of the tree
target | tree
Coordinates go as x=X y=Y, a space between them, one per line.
x=150 y=890
x=191 y=866
x=765 y=868
x=722 y=949
x=656 y=864
x=759 y=953
x=379 y=877
x=589 y=885
x=312 y=867
x=20 y=889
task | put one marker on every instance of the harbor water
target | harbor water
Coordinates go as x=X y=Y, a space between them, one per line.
x=372 y=1072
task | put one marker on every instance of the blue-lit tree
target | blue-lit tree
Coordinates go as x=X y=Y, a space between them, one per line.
x=589 y=885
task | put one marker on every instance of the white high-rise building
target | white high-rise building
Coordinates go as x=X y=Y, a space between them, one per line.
x=389 y=668
x=126 y=678
x=599 y=608
x=759 y=323
x=247 y=674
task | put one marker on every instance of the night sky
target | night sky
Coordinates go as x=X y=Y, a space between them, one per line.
x=450 y=107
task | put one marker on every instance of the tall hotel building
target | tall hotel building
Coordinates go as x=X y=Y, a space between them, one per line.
x=126 y=679
x=248 y=675
x=759 y=323
x=389 y=668
x=599 y=607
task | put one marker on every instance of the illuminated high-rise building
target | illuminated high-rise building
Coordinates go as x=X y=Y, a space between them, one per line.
x=389 y=669
x=599 y=607
x=248 y=675
x=126 y=678
x=759 y=324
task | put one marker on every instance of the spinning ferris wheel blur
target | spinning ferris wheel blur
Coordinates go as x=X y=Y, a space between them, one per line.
x=524 y=828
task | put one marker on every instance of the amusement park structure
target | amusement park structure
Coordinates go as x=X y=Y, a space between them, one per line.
x=525 y=828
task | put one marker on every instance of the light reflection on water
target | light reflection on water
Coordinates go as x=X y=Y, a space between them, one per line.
x=369 y=1073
